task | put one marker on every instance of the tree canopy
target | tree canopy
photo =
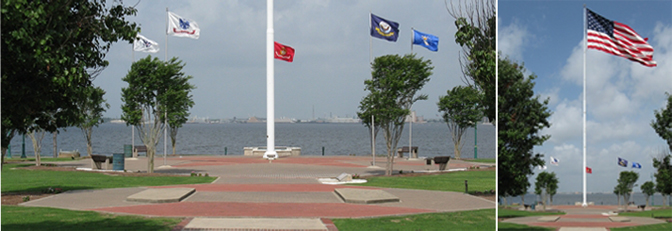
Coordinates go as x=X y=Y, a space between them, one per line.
x=476 y=33
x=648 y=188
x=663 y=175
x=461 y=110
x=663 y=122
x=51 y=52
x=152 y=84
x=521 y=116
x=392 y=91
x=626 y=181
x=546 y=185
x=92 y=106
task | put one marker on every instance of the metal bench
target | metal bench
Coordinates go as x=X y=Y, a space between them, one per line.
x=98 y=160
x=442 y=161
x=139 y=148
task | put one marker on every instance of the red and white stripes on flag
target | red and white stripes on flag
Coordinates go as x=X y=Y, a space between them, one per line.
x=617 y=39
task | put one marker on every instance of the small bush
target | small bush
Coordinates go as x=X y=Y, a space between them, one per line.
x=26 y=198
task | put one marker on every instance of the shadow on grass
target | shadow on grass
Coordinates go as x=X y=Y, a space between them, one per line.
x=519 y=227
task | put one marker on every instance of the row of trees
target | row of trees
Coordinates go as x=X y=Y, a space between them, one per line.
x=51 y=53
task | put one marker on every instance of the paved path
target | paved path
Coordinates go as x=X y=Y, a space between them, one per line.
x=578 y=218
x=250 y=190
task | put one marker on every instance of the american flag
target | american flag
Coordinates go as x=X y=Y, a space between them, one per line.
x=617 y=39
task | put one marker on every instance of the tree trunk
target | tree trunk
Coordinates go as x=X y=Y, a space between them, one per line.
x=36 y=137
x=504 y=200
x=458 y=155
x=619 y=200
x=664 y=201
x=55 y=145
x=647 y=200
x=4 y=151
x=522 y=199
x=550 y=201
x=150 y=159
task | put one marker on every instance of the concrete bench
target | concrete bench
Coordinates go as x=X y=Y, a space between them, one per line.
x=442 y=161
x=98 y=160
x=139 y=148
x=405 y=149
x=641 y=207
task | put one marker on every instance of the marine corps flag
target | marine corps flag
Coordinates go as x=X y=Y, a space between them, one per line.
x=283 y=52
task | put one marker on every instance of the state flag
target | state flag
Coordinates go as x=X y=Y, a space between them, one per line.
x=428 y=41
x=554 y=161
x=145 y=45
x=636 y=165
x=283 y=52
x=384 y=29
x=182 y=27
x=622 y=162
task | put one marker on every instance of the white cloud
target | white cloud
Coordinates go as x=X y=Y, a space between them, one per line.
x=511 y=40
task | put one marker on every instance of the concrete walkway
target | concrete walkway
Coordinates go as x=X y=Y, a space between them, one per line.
x=590 y=218
x=252 y=193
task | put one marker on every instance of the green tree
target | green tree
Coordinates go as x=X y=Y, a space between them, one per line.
x=663 y=175
x=36 y=135
x=461 y=110
x=626 y=181
x=520 y=118
x=648 y=188
x=663 y=122
x=546 y=186
x=366 y=115
x=151 y=83
x=92 y=106
x=476 y=33
x=51 y=52
x=619 y=190
x=393 y=86
x=179 y=102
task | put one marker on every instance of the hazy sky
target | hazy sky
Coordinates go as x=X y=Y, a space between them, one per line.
x=621 y=95
x=331 y=39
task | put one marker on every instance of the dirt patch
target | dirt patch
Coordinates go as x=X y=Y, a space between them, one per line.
x=17 y=198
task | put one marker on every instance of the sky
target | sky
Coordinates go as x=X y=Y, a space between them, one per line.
x=621 y=95
x=331 y=39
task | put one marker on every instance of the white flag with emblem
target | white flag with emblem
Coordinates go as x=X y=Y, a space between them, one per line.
x=182 y=27
x=145 y=45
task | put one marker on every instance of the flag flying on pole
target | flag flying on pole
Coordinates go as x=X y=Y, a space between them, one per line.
x=542 y=167
x=428 y=41
x=554 y=161
x=145 y=45
x=636 y=165
x=384 y=29
x=617 y=39
x=589 y=170
x=283 y=52
x=182 y=27
x=622 y=162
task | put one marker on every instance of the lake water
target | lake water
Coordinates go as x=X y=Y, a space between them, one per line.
x=597 y=198
x=433 y=139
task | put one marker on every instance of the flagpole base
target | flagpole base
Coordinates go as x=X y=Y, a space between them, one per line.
x=270 y=155
x=584 y=205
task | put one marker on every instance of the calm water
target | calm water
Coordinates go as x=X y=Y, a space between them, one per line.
x=597 y=198
x=433 y=139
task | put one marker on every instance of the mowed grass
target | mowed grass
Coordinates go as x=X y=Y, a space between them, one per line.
x=662 y=226
x=483 y=219
x=23 y=180
x=40 y=218
x=451 y=181
x=518 y=227
x=488 y=161
x=43 y=159
x=658 y=213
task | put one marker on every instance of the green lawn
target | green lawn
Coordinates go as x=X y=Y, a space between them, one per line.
x=46 y=159
x=658 y=213
x=22 y=180
x=39 y=218
x=663 y=226
x=511 y=213
x=452 y=181
x=519 y=227
x=465 y=220
x=489 y=161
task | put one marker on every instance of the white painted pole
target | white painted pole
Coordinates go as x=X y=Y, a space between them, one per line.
x=165 y=119
x=270 y=100
x=373 y=127
x=585 y=44
x=132 y=126
x=410 y=135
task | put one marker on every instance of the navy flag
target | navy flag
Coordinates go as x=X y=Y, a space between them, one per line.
x=384 y=29
x=428 y=41
x=622 y=162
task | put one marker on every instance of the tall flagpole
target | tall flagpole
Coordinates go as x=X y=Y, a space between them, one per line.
x=133 y=126
x=412 y=38
x=373 y=119
x=270 y=100
x=165 y=119
x=585 y=44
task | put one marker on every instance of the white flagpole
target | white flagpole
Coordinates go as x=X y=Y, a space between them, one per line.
x=412 y=38
x=133 y=126
x=165 y=119
x=373 y=127
x=410 y=134
x=585 y=44
x=270 y=100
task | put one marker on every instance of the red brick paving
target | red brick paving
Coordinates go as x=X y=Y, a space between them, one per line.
x=606 y=224
x=325 y=161
x=263 y=187
x=238 y=209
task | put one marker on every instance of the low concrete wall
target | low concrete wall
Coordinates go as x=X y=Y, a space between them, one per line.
x=69 y=154
x=282 y=151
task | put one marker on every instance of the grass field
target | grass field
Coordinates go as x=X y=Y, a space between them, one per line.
x=511 y=213
x=488 y=161
x=466 y=220
x=663 y=226
x=39 y=218
x=518 y=227
x=452 y=181
x=658 y=213
x=44 y=159
x=21 y=180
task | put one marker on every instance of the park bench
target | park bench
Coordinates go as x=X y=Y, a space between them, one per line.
x=641 y=207
x=98 y=160
x=442 y=161
x=404 y=149
x=139 y=148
